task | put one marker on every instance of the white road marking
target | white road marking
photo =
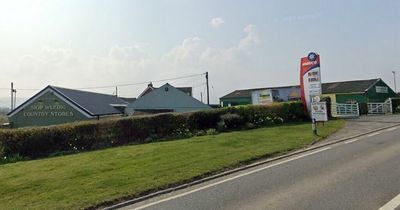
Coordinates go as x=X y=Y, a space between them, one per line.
x=373 y=134
x=351 y=141
x=393 y=204
x=391 y=129
x=230 y=179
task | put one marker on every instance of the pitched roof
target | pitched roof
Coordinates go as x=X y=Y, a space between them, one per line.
x=93 y=104
x=246 y=93
x=128 y=100
x=187 y=90
x=167 y=97
x=355 y=86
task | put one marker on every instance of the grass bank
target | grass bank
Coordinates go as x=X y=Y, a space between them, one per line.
x=88 y=179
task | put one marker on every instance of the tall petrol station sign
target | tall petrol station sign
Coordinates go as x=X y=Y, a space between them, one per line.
x=310 y=80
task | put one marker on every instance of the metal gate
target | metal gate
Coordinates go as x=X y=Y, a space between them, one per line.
x=380 y=108
x=345 y=110
x=376 y=108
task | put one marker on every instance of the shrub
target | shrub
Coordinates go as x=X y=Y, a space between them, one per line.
x=203 y=120
x=35 y=142
x=211 y=131
x=232 y=121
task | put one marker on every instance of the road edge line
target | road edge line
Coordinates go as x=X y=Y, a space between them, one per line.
x=242 y=168
x=392 y=204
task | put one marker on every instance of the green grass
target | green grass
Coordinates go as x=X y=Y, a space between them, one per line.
x=88 y=179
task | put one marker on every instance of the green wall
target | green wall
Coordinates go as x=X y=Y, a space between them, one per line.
x=370 y=96
x=235 y=101
x=350 y=98
x=374 y=96
x=48 y=109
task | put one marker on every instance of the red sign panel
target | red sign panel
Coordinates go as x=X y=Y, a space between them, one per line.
x=310 y=78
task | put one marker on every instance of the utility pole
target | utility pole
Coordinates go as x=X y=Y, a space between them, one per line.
x=201 y=97
x=208 y=90
x=394 y=80
x=15 y=98
x=12 y=96
x=116 y=91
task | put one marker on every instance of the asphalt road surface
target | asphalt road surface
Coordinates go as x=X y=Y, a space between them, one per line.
x=361 y=173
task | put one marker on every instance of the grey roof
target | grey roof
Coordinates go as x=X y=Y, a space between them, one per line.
x=355 y=86
x=246 y=93
x=90 y=103
x=93 y=103
x=128 y=100
x=187 y=90
x=166 y=97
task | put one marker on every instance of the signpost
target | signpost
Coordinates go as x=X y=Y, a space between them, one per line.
x=318 y=111
x=310 y=79
x=311 y=89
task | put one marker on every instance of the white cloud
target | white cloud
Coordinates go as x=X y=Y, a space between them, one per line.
x=250 y=39
x=133 y=63
x=217 y=22
x=195 y=55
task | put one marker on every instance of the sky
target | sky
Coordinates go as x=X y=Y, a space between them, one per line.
x=241 y=43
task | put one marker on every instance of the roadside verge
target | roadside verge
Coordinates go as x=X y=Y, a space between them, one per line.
x=242 y=168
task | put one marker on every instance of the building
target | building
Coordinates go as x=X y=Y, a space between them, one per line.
x=357 y=91
x=165 y=99
x=150 y=87
x=257 y=96
x=56 y=105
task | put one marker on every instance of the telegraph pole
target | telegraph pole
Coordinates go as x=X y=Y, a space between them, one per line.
x=116 y=91
x=12 y=96
x=208 y=90
x=394 y=80
x=15 y=98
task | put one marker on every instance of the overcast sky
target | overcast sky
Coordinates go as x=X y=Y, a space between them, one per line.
x=241 y=43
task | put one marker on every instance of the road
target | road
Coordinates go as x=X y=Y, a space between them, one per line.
x=361 y=173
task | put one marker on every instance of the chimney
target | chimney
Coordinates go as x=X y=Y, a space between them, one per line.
x=150 y=85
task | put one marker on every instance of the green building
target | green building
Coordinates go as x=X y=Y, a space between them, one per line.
x=357 y=91
x=56 y=105
x=237 y=97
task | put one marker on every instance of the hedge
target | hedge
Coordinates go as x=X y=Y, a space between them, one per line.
x=36 y=142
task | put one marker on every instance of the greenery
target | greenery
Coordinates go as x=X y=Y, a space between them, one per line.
x=36 y=142
x=92 y=178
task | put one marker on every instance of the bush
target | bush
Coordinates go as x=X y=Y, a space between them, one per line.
x=232 y=121
x=35 y=142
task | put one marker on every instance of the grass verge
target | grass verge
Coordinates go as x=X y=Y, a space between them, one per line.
x=89 y=179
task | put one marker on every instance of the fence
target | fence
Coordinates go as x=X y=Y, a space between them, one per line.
x=345 y=110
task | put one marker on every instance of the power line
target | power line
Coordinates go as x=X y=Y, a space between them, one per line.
x=118 y=85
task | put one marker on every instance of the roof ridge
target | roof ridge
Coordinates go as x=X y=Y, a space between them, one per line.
x=79 y=90
x=358 y=80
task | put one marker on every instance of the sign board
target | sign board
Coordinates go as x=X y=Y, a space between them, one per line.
x=381 y=89
x=319 y=111
x=310 y=79
x=265 y=97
